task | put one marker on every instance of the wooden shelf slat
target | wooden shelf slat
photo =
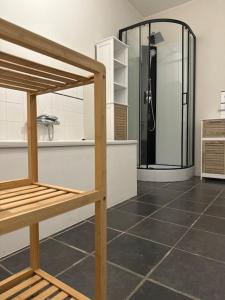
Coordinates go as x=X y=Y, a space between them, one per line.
x=47 y=293
x=33 y=83
x=60 y=296
x=25 y=191
x=15 y=279
x=15 y=87
x=36 y=285
x=23 y=203
x=21 y=188
x=32 y=290
x=21 y=286
x=38 y=66
x=26 y=196
x=19 y=84
x=27 y=70
x=34 y=79
x=26 y=205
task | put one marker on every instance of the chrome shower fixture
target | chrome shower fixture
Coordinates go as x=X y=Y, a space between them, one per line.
x=49 y=121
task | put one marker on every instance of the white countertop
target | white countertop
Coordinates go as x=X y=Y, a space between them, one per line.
x=23 y=144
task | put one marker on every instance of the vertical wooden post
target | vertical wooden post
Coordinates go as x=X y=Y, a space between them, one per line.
x=33 y=173
x=100 y=185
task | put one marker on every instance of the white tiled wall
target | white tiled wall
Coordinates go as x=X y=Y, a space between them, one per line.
x=68 y=110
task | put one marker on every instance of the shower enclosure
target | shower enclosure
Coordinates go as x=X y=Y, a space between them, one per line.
x=161 y=108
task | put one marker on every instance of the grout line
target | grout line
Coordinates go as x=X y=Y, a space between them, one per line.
x=170 y=251
x=186 y=232
x=115 y=237
x=149 y=216
x=200 y=255
x=91 y=254
x=6 y=269
x=168 y=222
x=147 y=239
x=147 y=203
x=211 y=232
x=141 y=237
x=221 y=218
x=69 y=245
x=73 y=265
x=125 y=269
x=131 y=213
x=184 y=211
x=172 y=289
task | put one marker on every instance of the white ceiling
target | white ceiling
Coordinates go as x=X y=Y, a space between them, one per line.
x=149 y=7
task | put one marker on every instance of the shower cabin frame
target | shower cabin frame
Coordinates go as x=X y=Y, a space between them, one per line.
x=184 y=94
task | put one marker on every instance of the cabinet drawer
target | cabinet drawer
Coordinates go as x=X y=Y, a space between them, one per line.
x=213 y=157
x=214 y=128
x=120 y=122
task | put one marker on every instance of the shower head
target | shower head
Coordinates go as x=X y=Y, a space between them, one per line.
x=156 y=37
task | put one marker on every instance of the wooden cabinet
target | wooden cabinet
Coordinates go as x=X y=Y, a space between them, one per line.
x=214 y=128
x=120 y=122
x=213 y=148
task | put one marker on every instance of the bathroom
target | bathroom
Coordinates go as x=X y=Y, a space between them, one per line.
x=164 y=96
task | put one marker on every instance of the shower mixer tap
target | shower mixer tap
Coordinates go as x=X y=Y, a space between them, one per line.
x=147 y=97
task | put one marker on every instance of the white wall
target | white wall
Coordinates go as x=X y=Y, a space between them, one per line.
x=13 y=115
x=77 y=24
x=207 y=20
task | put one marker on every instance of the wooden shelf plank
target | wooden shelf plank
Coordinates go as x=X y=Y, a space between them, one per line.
x=26 y=205
x=30 y=64
x=37 y=285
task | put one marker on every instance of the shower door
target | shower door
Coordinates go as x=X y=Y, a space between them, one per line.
x=161 y=93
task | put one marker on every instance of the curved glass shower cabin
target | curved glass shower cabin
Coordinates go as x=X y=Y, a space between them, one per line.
x=162 y=96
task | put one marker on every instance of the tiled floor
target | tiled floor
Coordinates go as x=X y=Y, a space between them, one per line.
x=168 y=243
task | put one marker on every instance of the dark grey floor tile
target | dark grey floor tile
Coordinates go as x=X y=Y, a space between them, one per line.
x=212 y=184
x=198 y=195
x=144 y=187
x=211 y=224
x=55 y=257
x=216 y=211
x=121 y=220
x=180 y=185
x=192 y=274
x=211 y=188
x=153 y=291
x=175 y=216
x=81 y=277
x=204 y=243
x=159 y=196
x=135 y=254
x=195 y=207
x=83 y=236
x=159 y=231
x=122 y=203
x=139 y=208
x=220 y=201
x=3 y=273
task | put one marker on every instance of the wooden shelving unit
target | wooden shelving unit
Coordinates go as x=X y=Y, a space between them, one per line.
x=26 y=202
